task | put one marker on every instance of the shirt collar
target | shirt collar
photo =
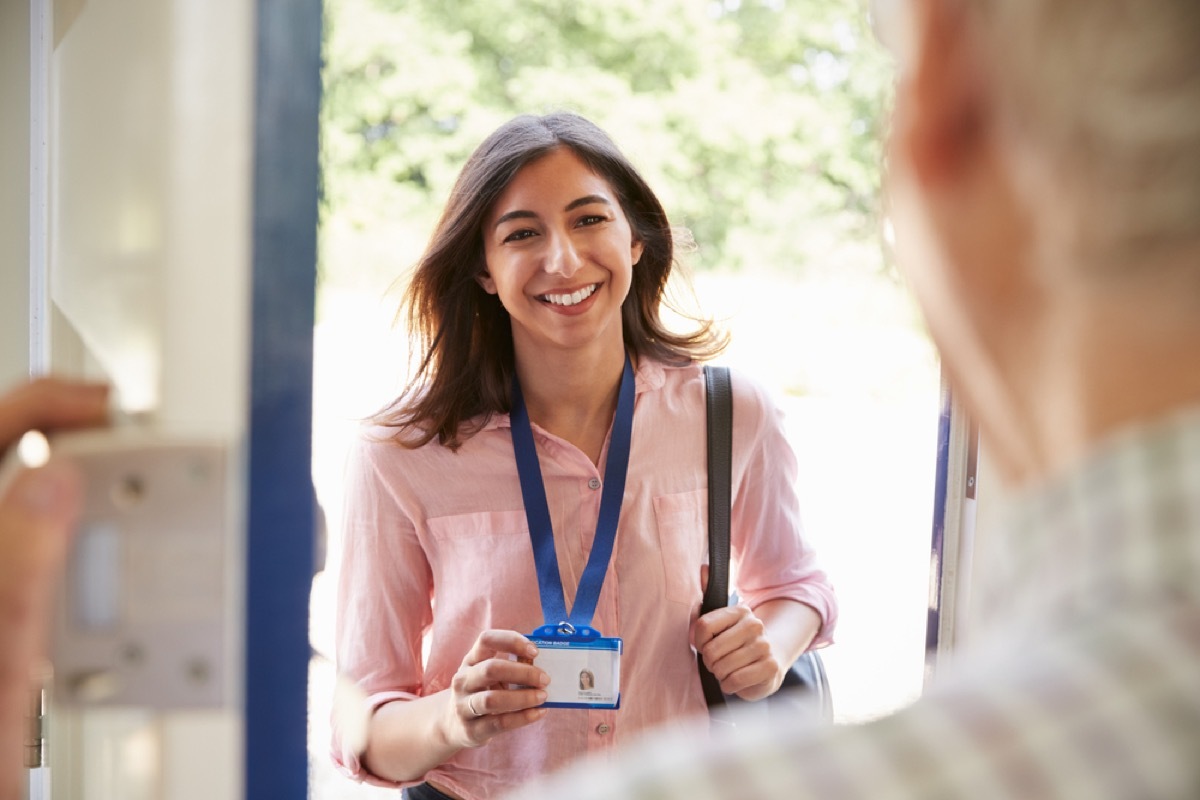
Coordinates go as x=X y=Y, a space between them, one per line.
x=650 y=375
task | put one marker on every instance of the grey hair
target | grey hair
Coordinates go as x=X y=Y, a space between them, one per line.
x=1106 y=94
x=1104 y=99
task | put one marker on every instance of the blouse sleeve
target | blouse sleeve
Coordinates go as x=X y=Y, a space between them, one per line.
x=772 y=558
x=384 y=588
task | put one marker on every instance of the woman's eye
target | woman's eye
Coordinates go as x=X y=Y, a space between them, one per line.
x=517 y=236
x=591 y=219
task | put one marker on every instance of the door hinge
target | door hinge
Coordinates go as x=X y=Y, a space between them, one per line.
x=35 y=730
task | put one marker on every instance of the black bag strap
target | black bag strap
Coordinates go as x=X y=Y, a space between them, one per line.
x=805 y=683
x=719 y=409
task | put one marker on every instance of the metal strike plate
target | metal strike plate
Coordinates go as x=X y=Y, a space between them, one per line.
x=143 y=612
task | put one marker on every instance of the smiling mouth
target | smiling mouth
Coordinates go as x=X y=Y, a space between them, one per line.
x=571 y=299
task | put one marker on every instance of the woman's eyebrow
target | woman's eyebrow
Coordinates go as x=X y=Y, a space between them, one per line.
x=587 y=200
x=518 y=214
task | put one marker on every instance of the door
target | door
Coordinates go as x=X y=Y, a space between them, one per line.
x=167 y=217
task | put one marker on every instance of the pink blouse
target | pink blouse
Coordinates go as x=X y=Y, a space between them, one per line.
x=436 y=545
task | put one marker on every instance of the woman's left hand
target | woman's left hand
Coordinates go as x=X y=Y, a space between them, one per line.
x=750 y=650
x=734 y=645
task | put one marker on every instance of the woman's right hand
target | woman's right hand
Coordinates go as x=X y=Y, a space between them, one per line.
x=408 y=738
x=481 y=702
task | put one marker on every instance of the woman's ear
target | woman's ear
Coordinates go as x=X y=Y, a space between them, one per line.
x=485 y=280
x=636 y=251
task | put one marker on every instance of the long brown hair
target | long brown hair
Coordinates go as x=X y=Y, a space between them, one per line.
x=465 y=334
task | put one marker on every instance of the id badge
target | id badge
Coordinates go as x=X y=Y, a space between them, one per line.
x=584 y=667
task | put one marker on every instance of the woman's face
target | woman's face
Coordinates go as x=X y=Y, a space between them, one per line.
x=560 y=255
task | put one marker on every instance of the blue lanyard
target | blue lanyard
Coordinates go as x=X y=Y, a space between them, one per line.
x=537 y=512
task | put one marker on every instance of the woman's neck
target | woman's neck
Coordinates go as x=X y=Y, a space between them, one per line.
x=573 y=396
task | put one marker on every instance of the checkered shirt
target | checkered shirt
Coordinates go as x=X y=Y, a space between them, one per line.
x=1082 y=681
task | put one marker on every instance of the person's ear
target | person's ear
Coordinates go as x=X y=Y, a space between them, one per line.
x=485 y=280
x=638 y=248
x=940 y=99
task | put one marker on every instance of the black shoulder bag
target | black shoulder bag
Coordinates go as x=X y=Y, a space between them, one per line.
x=805 y=689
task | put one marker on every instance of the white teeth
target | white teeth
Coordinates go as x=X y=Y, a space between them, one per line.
x=572 y=299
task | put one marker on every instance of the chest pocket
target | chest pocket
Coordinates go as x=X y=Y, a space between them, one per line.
x=481 y=553
x=682 y=521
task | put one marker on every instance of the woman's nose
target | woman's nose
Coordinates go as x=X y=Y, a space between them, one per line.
x=562 y=257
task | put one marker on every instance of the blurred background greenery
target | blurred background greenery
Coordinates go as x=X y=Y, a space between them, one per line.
x=758 y=122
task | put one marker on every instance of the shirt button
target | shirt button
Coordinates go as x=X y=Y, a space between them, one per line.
x=603 y=728
x=594 y=484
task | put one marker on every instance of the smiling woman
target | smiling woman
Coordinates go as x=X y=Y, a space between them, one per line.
x=560 y=255
x=758 y=125
x=554 y=408
x=498 y=225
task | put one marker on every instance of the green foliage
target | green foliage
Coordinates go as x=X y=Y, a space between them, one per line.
x=758 y=122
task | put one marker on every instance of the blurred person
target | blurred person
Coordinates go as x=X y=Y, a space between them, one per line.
x=538 y=304
x=1044 y=182
x=38 y=511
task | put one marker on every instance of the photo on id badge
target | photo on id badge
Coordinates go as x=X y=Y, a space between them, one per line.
x=580 y=677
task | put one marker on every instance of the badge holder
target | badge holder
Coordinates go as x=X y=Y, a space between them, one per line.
x=584 y=667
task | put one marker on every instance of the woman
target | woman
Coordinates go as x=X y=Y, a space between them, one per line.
x=538 y=299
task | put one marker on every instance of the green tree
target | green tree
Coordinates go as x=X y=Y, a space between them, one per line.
x=758 y=122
